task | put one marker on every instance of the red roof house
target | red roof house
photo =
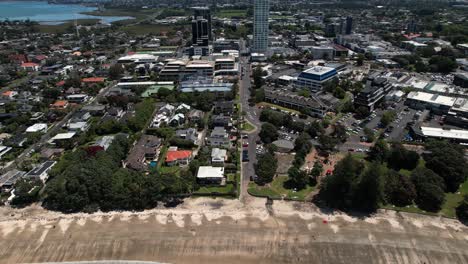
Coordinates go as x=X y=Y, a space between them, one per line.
x=178 y=157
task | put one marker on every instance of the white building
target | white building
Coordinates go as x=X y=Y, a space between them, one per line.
x=210 y=175
x=314 y=78
x=40 y=127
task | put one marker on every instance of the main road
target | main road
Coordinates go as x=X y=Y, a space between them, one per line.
x=250 y=114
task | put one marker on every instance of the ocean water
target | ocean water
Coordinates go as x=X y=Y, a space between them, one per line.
x=48 y=13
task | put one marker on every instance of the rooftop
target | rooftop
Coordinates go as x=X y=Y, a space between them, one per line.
x=445 y=133
x=177 y=155
x=432 y=98
x=319 y=70
x=210 y=172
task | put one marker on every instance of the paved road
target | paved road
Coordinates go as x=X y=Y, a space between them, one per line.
x=252 y=117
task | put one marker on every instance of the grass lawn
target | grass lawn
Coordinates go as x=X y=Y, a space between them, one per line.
x=169 y=170
x=231 y=177
x=276 y=190
x=263 y=191
x=136 y=13
x=409 y=209
x=452 y=200
x=229 y=188
x=68 y=26
x=265 y=104
x=141 y=29
x=230 y=13
x=359 y=155
x=246 y=126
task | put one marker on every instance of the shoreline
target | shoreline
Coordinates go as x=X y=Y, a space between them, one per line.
x=206 y=230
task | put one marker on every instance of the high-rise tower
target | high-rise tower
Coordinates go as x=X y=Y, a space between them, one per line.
x=201 y=26
x=260 y=30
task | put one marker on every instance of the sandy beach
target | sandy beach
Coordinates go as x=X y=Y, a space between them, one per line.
x=206 y=230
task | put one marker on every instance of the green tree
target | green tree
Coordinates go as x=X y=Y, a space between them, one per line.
x=26 y=192
x=462 y=209
x=447 y=160
x=399 y=190
x=257 y=75
x=265 y=168
x=388 y=117
x=116 y=71
x=379 y=151
x=401 y=158
x=429 y=189
x=369 y=192
x=298 y=178
x=268 y=133
x=360 y=60
x=327 y=143
x=337 y=189
x=362 y=112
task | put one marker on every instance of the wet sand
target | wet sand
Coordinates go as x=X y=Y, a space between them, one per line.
x=227 y=231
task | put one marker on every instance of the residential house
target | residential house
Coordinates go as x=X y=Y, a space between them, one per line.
x=210 y=175
x=117 y=112
x=175 y=157
x=8 y=180
x=221 y=121
x=219 y=138
x=39 y=127
x=95 y=109
x=30 y=66
x=9 y=94
x=188 y=134
x=224 y=107
x=80 y=126
x=166 y=109
x=194 y=116
x=4 y=150
x=146 y=149
x=218 y=157
x=183 y=108
x=41 y=172
x=104 y=142
x=60 y=105
x=51 y=153
x=177 y=120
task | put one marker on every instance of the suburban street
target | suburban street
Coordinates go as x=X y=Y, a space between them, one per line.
x=250 y=116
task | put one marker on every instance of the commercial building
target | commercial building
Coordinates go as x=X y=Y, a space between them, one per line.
x=349 y=25
x=313 y=105
x=461 y=79
x=314 y=78
x=456 y=135
x=261 y=27
x=439 y=104
x=177 y=70
x=322 y=52
x=138 y=58
x=220 y=89
x=201 y=26
x=376 y=89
